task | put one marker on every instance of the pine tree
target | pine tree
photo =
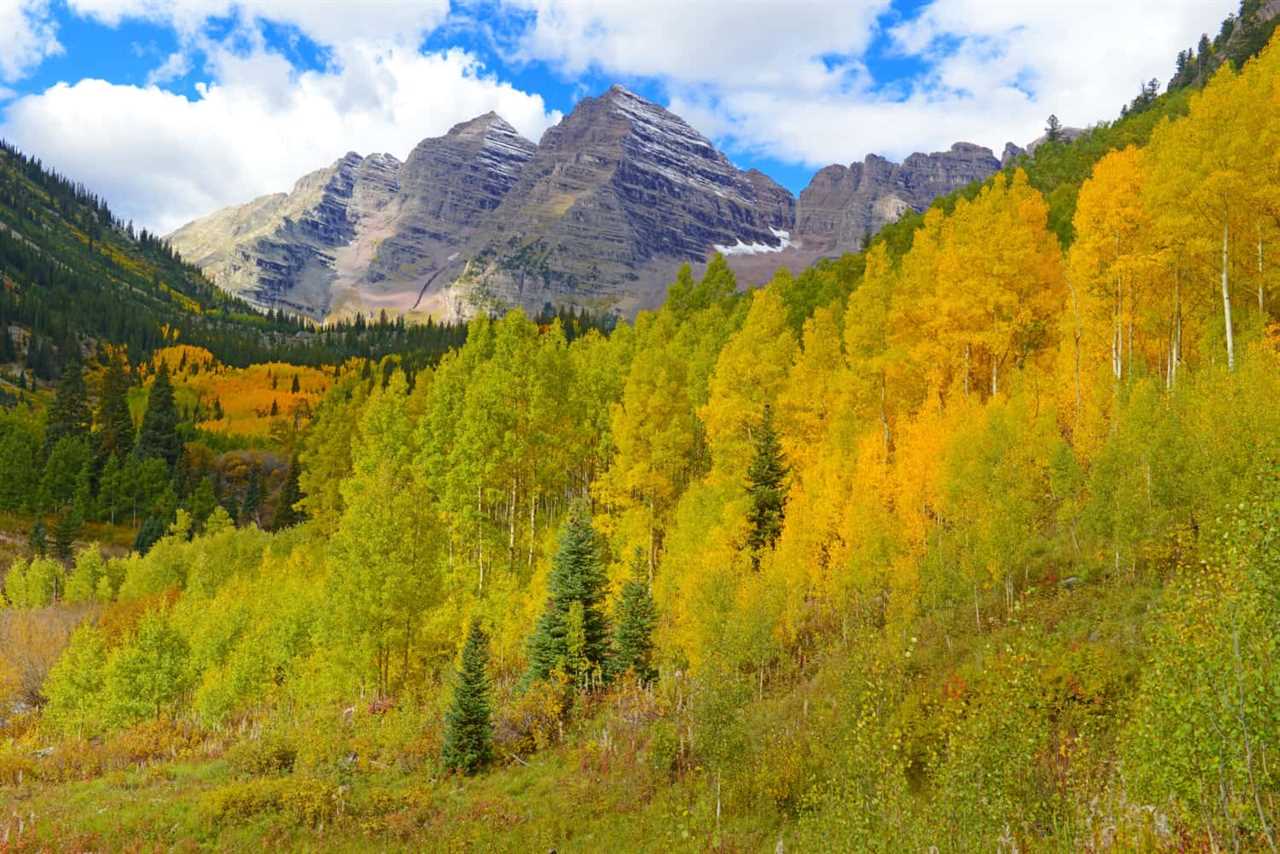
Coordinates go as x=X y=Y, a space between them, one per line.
x=252 y=499
x=37 y=539
x=636 y=617
x=764 y=487
x=115 y=424
x=576 y=577
x=290 y=494
x=69 y=414
x=149 y=534
x=65 y=530
x=158 y=437
x=203 y=501
x=468 y=738
x=1053 y=130
x=296 y=386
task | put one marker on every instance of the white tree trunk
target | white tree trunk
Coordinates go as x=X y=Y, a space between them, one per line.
x=1226 y=300
x=1262 y=297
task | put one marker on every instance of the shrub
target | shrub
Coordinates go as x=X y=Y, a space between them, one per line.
x=271 y=753
x=305 y=801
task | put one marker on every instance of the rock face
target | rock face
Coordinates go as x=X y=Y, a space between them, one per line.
x=844 y=205
x=599 y=214
x=617 y=194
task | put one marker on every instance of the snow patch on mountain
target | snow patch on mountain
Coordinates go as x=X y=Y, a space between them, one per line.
x=740 y=248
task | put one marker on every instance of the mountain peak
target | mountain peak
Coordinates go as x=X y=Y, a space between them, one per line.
x=482 y=125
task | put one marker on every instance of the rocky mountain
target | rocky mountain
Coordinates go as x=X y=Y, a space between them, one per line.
x=844 y=205
x=616 y=196
x=598 y=214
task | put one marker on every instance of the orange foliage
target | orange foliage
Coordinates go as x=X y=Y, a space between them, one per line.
x=251 y=399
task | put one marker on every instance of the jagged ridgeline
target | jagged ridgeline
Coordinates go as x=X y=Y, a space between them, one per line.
x=598 y=215
x=71 y=272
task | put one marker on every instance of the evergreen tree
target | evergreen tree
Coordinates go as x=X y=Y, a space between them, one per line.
x=765 y=489
x=65 y=530
x=576 y=578
x=37 y=540
x=69 y=414
x=252 y=499
x=296 y=386
x=158 y=437
x=285 y=514
x=203 y=501
x=115 y=424
x=1053 y=130
x=149 y=534
x=19 y=470
x=64 y=472
x=636 y=617
x=468 y=737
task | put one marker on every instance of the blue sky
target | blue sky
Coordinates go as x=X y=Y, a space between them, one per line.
x=171 y=108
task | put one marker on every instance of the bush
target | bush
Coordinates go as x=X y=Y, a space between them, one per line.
x=306 y=801
x=533 y=721
x=271 y=753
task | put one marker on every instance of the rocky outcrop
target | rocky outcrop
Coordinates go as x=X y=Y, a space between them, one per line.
x=1011 y=154
x=279 y=251
x=844 y=205
x=599 y=214
x=617 y=195
x=365 y=233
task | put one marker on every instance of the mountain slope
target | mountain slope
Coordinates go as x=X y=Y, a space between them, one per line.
x=618 y=194
x=843 y=206
x=72 y=275
x=598 y=215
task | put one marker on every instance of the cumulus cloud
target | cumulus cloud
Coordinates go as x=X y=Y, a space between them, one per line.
x=326 y=23
x=776 y=44
x=763 y=75
x=27 y=37
x=163 y=158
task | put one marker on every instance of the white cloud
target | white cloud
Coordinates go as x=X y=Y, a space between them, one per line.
x=324 y=21
x=163 y=159
x=755 y=74
x=776 y=44
x=27 y=37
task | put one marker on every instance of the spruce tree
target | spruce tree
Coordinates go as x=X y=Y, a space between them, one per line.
x=765 y=489
x=115 y=423
x=468 y=737
x=1053 y=130
x=290 y=494
x=576 y=578
x=69 y=414
x=636 y=617
x=65 y=530
x=203 y=501
x=252 y=499
x=153 y=528
x=158 y=437
x=37 y=538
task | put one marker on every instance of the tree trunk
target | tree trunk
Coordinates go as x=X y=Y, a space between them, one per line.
x=1117 y=354
x=966 y=370
x=1262 y=297
x=884 y=418
x=1226 y=300
x=533 y=511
